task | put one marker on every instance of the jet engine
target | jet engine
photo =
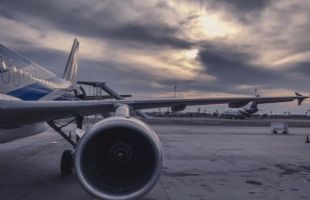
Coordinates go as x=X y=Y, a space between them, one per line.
x=178 y=108
x=119 y=158
x=237 y=104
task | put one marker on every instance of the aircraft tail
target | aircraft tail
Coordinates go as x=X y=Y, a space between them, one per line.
x=70 y=73
x=252 y=109
x=253 y=105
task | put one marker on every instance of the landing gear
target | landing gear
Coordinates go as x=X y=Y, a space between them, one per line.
x=67 y=158
x=66 y=163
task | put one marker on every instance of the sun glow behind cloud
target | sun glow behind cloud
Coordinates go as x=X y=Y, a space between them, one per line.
x=201 y=23
x=191 y=54
x=179 y=65
x=211 y=26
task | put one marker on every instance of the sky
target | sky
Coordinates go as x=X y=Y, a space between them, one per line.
x=206 y=48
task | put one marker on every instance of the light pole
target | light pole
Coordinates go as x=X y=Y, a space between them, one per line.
x=175 y=91
x=255 y=91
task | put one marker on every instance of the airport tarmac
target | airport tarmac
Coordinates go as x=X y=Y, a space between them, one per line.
x=201 y=162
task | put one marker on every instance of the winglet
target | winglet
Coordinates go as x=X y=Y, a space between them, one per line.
x=301 y=98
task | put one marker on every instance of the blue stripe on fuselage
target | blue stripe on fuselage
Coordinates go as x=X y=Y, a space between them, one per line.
x=36 y=91
x=31 y=92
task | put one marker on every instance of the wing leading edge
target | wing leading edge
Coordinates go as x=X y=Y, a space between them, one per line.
x=18 y=113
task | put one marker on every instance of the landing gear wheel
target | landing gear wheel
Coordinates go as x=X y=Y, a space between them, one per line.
x=66 y=163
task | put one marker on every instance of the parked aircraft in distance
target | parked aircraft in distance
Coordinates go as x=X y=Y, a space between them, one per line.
x=117 y=158
x=241 y=113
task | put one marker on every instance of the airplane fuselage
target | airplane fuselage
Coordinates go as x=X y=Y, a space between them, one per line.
x=241 y=113
x=26 y=80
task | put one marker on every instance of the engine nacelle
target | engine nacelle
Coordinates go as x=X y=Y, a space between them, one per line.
x=237 y=104
x=178 y=108
x=119 y=158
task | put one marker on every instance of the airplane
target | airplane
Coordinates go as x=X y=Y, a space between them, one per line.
x=119 y=157
x=240 y=113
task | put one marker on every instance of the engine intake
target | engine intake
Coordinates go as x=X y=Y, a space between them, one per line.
x=119 y=158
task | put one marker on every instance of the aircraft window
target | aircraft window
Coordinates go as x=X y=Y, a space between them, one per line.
x=34 y=75
x=5 y=76
x=26 y=74
x=4 y=65
x=16 y=78
x=9 y=64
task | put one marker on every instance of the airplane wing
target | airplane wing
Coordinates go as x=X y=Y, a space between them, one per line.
x=146 y=104
x=18 y=113
x=300 y=100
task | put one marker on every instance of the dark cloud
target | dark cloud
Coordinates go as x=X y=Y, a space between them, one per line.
x=303 y=68
x=246 y=5
x=84 y=20
x=237 y=6
x=234 y=67
x=149 y=34
x=7 y=15
x=244 y=11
